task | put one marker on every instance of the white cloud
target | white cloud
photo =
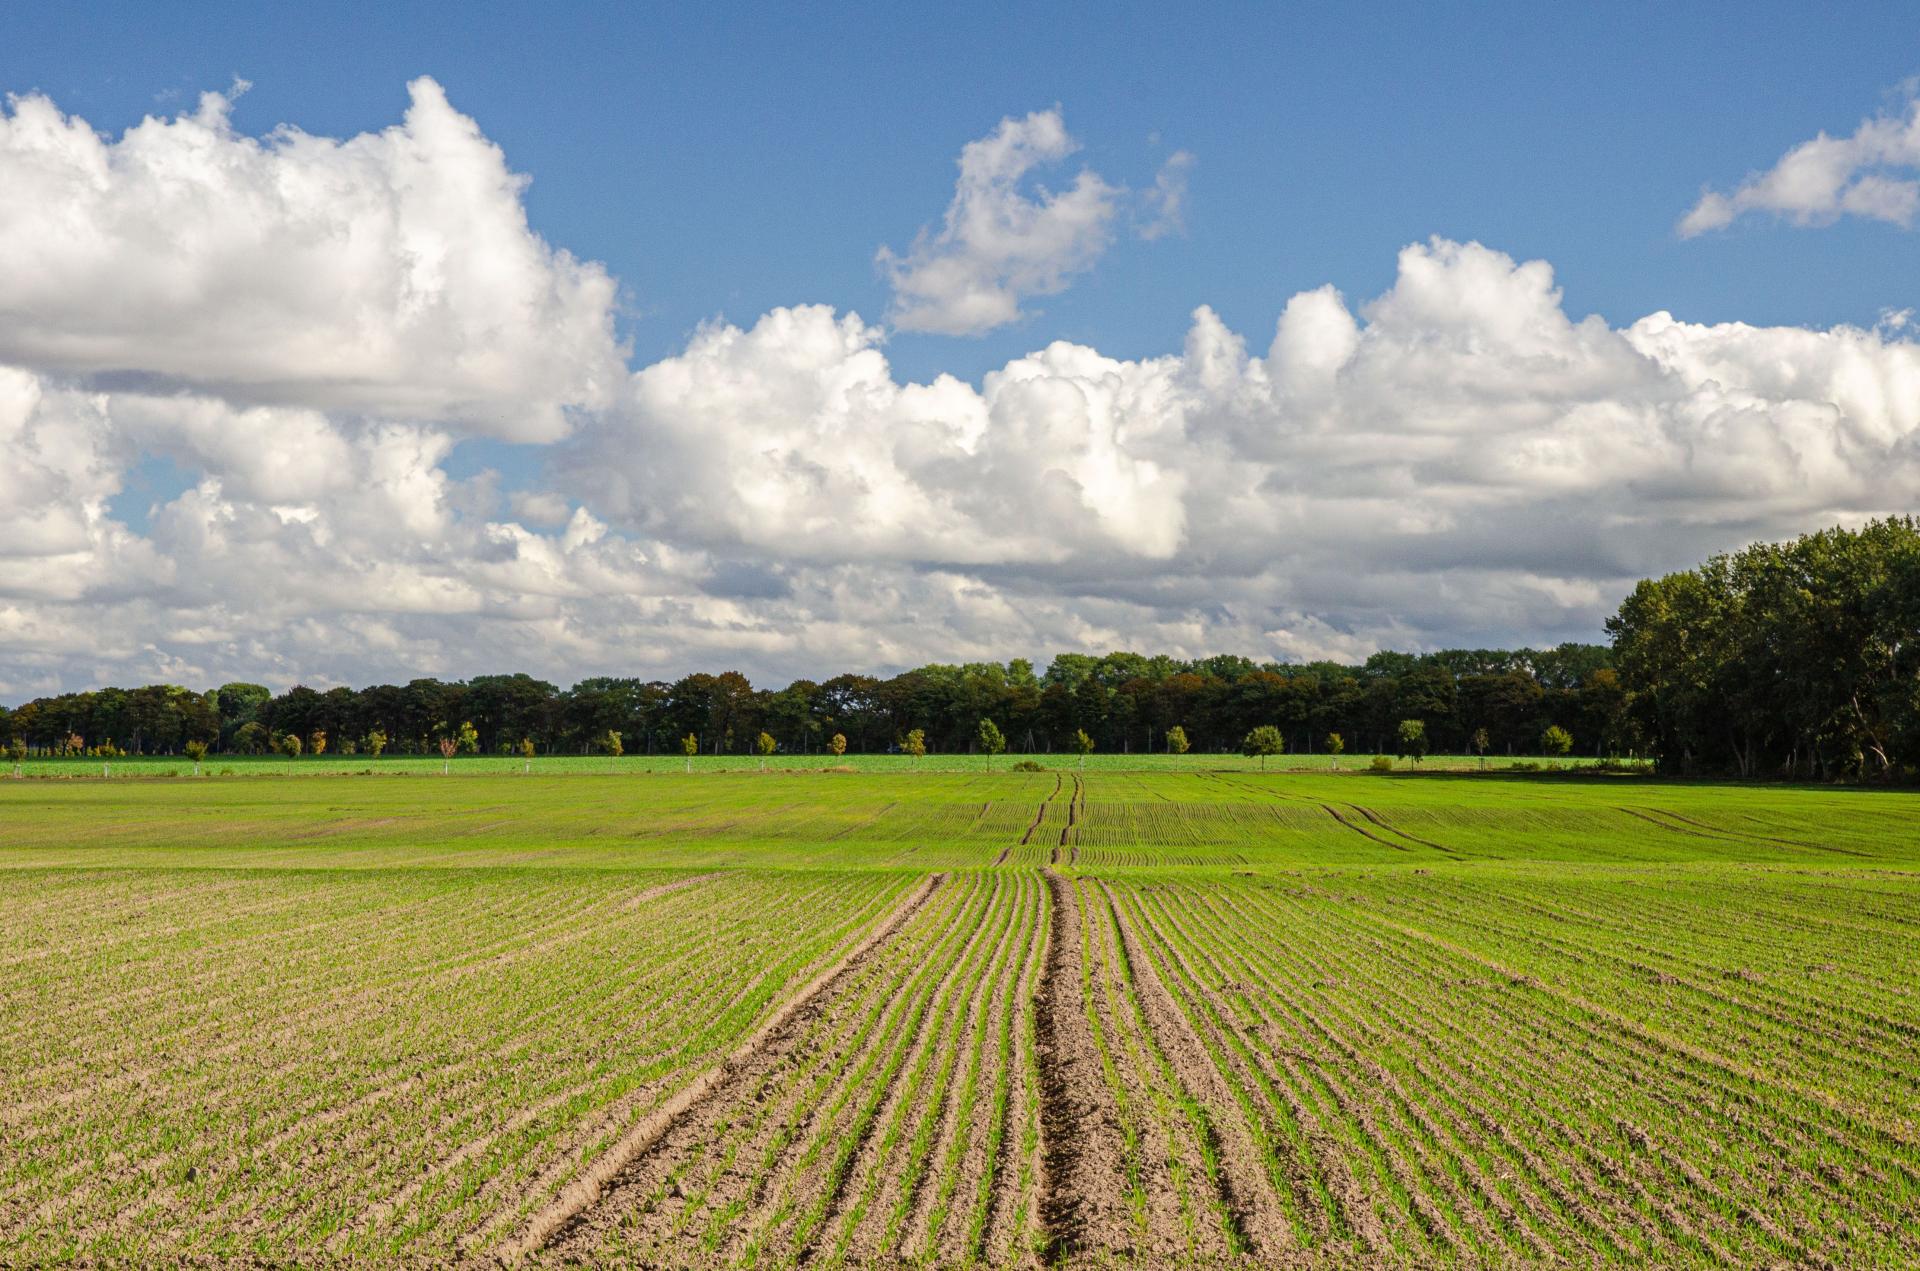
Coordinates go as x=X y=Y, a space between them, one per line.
x=391 y=274
x=999 y=244
x=1456 y=461
x=1164 y=207
x=1874 y=173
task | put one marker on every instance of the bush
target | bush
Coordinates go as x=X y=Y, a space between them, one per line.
x=1381 y=763
x=1028 y=765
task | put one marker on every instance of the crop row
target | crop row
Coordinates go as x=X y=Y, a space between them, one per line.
x=894 y=1120
x=367 y=1064
x=1497 y=1088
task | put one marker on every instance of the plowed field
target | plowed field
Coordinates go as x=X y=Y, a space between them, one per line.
x=984 y=1018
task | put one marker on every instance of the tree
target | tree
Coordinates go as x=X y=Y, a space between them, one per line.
x=526 y=754
x=1261 y=742
x=467 y=740
x=376 y=742
x=765 y=745
x=992 y=740
x=1336 y=746
x=1556 y=741
x=196 y=751
x=1479 y=742
x=290 y=747
x=17 y=754
x=448 y=746
x=1082 y=745
x=611 y=743
x=1412 y=735
x=837 y=744
x=690 y=746
x=916 y=744
x=1177 y=743
x=317 y=743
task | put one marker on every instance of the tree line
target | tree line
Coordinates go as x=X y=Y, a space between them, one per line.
x=1797 y=659
x=1491 y=701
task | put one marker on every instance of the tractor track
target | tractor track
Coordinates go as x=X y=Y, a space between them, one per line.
x=552 y=1221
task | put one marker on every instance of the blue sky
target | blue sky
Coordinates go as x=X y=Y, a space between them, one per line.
x=257 y=430
x=726 y=159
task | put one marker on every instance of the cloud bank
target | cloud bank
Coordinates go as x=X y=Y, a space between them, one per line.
x=1455 y=461
x=389 y=274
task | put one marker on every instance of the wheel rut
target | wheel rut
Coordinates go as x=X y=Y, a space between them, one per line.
x=1065 y=1060
x=553 y=1222
x=1362 y=830
x=1076 y=813
x=1039 y=819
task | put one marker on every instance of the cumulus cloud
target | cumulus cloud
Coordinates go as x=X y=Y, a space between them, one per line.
x=1457 y=460
x=1873 y=173
x=390 y=274
x=998 y=243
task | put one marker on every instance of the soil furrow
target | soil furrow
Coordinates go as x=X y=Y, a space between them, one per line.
x=578 y=1197
x=1251 y=1210
x=1079 y=1183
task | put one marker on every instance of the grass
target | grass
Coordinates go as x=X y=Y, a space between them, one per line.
x=1433 y=1017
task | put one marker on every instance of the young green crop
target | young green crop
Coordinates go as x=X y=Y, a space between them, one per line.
x=1425 y=1018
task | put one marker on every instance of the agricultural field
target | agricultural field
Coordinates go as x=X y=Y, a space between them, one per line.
x=945 y=1018
x=334 y=765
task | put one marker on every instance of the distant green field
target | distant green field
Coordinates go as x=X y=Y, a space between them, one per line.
x=866 y=1018
x=552 y=765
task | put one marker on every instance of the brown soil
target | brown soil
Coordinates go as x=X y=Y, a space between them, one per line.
x=552 y=1224
x=1089 y=1205
x=1242 y=1184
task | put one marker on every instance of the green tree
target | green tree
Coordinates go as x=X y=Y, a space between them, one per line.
x=1082 y=745
x=1479 y=742
x=992 y=740
x=17 y=754
x=196 y=751
x=526 y=754
x=765 y=745
x=1261 y=742
x=1556 y=741
x=1177 y=743
x=690 y=746
x=467 y=739
x=916 y=745
x=1412 y=736
x=376 y=742
x=290 y=747
x=1336 y=746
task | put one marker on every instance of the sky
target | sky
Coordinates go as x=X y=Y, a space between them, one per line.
x=343 y=343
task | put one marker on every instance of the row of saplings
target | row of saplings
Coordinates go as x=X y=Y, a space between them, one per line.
x=1411 y=735
x=1258 y=744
